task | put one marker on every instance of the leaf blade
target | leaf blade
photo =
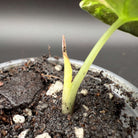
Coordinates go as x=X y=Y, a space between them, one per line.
x=110 y=10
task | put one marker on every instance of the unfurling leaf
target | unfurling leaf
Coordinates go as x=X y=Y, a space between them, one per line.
x=67 y=77
x=67 y=67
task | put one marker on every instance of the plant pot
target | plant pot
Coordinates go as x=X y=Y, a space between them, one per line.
x=119 y=91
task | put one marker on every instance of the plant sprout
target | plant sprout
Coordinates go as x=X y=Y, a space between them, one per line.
x=122 y=14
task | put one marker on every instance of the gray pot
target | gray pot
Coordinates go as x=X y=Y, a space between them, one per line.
x=117 y=87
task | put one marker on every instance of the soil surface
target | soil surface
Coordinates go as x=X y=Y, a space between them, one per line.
x=24 y=91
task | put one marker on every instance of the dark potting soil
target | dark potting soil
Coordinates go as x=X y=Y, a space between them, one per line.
x=23 y=91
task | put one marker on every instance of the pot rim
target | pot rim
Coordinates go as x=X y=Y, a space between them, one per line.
x=123 y=82
x=118 y=79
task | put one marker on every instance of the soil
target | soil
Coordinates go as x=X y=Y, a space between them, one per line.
x=23 y=91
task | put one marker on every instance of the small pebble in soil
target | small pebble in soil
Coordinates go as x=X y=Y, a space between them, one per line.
x=79 y=132
x=18 y=119
x=23 y=133
x=42 y=106
x=51 y=60
x=4 y=132
x=85 y=107
x=1 y=83
x=32 y=59
x=44 y=135
x=77 y=66
x=85 y=114
x=102 y=111
x=55 y=88
x=83 y=92
x=58 y=67
x=28 y=112
x=110 y=95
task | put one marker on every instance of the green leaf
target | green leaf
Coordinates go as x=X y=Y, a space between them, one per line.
x=110 y=10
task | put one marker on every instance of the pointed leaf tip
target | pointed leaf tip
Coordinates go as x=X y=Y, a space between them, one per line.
x=63 y=44
x=67 y=65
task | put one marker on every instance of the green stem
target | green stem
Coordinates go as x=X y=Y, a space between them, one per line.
x=89 y=60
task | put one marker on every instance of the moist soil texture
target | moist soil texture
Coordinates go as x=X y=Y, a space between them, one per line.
x=24 y=92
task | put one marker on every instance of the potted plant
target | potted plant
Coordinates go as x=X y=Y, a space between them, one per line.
x=35 y=103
